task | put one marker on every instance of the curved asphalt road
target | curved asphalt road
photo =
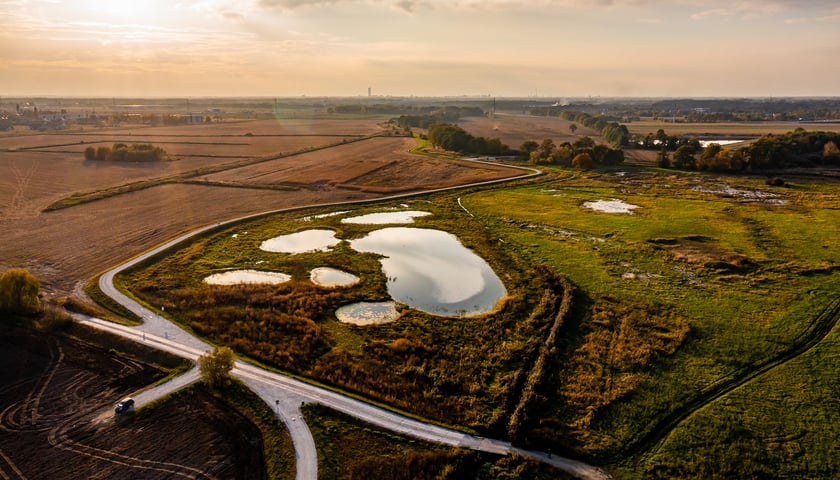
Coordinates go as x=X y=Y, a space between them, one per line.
x=285 y=394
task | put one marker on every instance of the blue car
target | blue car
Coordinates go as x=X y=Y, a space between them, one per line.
x=125 y=406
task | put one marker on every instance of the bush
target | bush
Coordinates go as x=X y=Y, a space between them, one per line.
x=19 y=291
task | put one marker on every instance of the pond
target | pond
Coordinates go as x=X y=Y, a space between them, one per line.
x=382 y=218
x=706 y=143
x=368 y=313
x=302 y=242
x=236 y=277
x=431 y=270
x=611 y=206
x=330 y=277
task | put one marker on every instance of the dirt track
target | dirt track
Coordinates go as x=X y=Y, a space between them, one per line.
x=56 y=411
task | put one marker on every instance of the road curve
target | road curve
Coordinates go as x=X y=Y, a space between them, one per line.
x=285 y=394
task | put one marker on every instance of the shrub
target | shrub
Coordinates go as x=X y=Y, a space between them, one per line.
x=19 y=291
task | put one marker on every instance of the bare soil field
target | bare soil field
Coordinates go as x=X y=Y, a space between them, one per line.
x=382 y=164
x=66 y=247
x=57 y=420
x=725 y=129
x=514 y=129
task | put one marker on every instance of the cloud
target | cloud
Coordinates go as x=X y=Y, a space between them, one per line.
x=233 y=16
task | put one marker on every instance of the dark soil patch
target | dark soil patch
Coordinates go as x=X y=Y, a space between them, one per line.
x=57 y=420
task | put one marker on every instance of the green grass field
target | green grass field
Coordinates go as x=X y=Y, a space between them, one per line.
x=748 y=277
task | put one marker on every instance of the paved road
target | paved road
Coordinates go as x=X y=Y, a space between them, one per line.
x=285 y=394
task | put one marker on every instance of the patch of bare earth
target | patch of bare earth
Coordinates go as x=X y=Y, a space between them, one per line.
x=704 y=252
x=57 y=420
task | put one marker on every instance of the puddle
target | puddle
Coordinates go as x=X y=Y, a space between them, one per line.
x=309 y=218
x=368 y=313
x=611 y=206
x=237 y=277
x=302 y=242
x=330 y=277
x=382 y=218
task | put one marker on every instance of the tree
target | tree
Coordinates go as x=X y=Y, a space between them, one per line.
x=582 y=161
x=662 y=159
x=830 y=150
x=584 y=142
x=90 y=153
x=573 y=128
x=19 y=291
x=215 y=366
x=684 y=158
x=529 y=146
x=546 y=147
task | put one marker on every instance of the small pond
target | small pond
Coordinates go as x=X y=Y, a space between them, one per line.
x=302 y=242
x=330 y=277
x=368 y=313
x=236 y=277
x=382 y=218
x=611 y=206
x=431 y=270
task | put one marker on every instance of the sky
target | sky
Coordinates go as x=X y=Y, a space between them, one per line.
x=503 y=48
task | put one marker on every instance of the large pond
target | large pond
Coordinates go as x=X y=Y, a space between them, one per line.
x=430 y=270
x=382 y=218
x=302 y=242
x=236 y=277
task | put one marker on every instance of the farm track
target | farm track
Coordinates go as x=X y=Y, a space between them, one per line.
x=822 y=325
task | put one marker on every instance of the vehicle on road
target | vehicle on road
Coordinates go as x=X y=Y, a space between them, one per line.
x=126 y=405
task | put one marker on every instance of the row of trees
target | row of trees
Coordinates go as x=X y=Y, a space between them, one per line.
x=794 y=149
x=660 y=140
x=441 y=115
x=452 y=137
x=120 y=152
x=613 y=132
x=582 y=154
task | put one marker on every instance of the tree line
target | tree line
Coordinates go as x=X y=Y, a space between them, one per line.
x=120 y=152
x=798 y=148
x=612 y=132
x=448 y=114
x=583 y=154
x=452 y=137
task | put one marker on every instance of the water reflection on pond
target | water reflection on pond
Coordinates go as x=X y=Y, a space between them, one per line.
x=368 y=313
x=430 y=270
x=236 y=277
x=302 y=242
x=330 y=277
x=381 y=218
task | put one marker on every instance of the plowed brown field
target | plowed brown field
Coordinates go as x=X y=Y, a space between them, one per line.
x=513 y=129
x=57 y=420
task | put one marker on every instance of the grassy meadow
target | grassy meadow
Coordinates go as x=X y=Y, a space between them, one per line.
x=708 y=279
x=724 y=279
